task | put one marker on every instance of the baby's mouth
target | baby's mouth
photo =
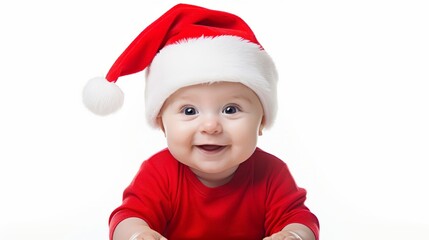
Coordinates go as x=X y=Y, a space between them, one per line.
x=210 y=148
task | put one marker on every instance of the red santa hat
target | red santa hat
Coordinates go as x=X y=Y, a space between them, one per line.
x=188 y=45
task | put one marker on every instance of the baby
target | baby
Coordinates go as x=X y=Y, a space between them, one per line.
x=211 y=89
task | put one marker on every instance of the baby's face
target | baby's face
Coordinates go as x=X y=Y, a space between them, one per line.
x=212 y=128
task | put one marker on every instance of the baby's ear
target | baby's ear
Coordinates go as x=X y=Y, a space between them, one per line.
x=261 y=126
x=160 y=123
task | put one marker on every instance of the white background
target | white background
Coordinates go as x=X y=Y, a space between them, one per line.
x=352 y=125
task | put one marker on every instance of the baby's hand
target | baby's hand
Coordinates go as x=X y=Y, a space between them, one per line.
x=284 y=235
x=147 y=234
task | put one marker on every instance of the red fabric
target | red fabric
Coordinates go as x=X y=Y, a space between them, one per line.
x=260 y=200
x=182 y=21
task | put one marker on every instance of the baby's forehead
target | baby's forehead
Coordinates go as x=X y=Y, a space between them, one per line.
x=219 y=93
x=218 y=88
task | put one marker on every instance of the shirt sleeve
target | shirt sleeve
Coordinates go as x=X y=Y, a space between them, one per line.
x=285 y=203
x=146 y=198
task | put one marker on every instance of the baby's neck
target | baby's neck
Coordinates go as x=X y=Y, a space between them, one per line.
x=215 y=180
x=215 y=183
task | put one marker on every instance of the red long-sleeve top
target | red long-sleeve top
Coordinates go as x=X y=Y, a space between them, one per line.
x=260 y=200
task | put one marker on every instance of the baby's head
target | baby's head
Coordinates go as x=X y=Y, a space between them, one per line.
x=212 y=128
x=209 y=60
x=189 y=46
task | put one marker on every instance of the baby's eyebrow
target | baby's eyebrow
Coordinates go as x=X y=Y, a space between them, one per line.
x=186 y=97
x=242 y=97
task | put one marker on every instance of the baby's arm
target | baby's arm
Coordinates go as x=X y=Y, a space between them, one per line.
x=293 y=231
x=135 y=229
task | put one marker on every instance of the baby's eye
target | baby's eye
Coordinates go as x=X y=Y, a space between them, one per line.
x=230 y=109
x=189 y=111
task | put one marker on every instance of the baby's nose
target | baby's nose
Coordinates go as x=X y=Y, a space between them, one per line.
x=211 y=125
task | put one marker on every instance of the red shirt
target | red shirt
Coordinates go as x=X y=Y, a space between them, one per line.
x=260 y=200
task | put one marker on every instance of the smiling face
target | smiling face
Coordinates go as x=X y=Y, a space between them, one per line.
x=212 y=128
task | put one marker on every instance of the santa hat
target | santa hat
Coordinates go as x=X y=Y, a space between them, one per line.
x=188 y=45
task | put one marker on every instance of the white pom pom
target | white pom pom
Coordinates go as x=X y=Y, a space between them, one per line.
x=102 y=97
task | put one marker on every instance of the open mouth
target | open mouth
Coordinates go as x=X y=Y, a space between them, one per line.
x=210 y=148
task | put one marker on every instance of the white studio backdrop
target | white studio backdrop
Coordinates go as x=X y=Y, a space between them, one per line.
x=352 y=124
